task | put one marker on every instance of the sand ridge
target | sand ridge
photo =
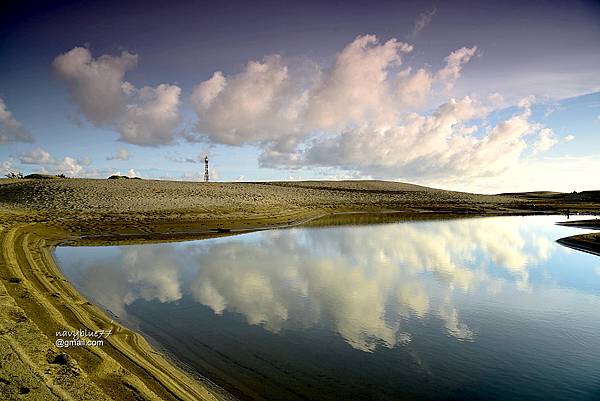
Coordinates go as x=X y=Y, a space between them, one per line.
x=93 y=195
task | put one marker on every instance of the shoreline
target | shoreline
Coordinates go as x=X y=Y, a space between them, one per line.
x=129 y=368
x=126 y=367
x=589 y=243
x=36 y=300
x=581 y=243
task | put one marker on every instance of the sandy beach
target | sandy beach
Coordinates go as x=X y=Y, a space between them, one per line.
x=36 y=301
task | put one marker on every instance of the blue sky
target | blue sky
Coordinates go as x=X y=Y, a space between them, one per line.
x=486 y=97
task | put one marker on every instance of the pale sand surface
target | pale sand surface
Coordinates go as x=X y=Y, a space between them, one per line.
x=36 y=300
x=144 y=195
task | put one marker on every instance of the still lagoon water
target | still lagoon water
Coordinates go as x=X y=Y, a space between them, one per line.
x=465 y=309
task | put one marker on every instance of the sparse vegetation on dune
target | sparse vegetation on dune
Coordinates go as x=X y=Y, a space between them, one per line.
x=122 y=177
x=215 y=199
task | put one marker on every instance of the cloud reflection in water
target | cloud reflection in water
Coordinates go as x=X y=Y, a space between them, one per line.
x=362 y=282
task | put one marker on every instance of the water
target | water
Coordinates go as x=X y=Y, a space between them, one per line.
x=480 y=309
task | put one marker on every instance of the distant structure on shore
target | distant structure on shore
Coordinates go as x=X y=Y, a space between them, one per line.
x=206 y=168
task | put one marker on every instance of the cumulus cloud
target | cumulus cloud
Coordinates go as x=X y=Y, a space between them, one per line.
x=153 y=120
x=265 y=103
x=146 y=116
x=50 y=165
x=122 y=154
x=37 y=156
x=244 y=107
x=96 y=85
x=437 y=145
x=356 y=88
x=546 y=140
x=363 y=114
x=10 y=129
x=132 y=173
x=67 y=166
x=414 y=89
x=454 y=65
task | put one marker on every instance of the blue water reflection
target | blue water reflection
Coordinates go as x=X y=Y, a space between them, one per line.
x=484 y=308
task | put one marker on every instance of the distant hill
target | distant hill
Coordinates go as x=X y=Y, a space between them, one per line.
x=123 y=177
x=354 y=185
x=43 y=177
x=583 y=196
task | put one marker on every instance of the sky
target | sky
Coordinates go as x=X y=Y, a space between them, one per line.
x=473 y=96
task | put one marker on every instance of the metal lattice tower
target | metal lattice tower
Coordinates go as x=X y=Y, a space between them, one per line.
x=205 y=168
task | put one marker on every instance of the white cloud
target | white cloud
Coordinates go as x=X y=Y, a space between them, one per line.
x=414 y=89
x=122 y=154
x=10 y=129
x=357 y=115
x=132 y=173
x=361 y=116
x=207 y=91
x=546 y=140
x=37 y=156
x=266 y=103
x=423 y=20
x=96 y=85
x=146 y=116
x=356 y=88
x=244 y=107
x=67 y=166
x=153 y=119
x=439 y=145
x=569 y=138
x=454 y=64
x=50 y=165
x=496 y=100
x=529 y=175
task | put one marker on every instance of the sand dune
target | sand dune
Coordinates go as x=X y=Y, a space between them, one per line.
x=151 y=195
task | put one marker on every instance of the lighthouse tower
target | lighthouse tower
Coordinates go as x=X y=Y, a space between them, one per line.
x=206 y=168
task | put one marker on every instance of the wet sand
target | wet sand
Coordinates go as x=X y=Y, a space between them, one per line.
x=36 y=300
